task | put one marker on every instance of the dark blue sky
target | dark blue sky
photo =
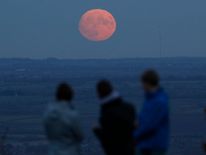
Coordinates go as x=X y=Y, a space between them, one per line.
x=49 y=28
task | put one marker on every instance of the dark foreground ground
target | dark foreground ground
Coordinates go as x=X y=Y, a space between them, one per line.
x=26 y=86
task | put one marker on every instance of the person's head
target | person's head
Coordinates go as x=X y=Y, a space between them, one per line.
x=64 y=92
x=104 y=88
x=150 y=80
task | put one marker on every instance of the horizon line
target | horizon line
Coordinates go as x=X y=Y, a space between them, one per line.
x=121 y=58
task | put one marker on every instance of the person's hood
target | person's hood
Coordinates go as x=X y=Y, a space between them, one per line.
x=58 y=106
x=114 y=95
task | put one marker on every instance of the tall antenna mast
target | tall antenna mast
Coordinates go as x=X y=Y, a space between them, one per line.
x=160 y=43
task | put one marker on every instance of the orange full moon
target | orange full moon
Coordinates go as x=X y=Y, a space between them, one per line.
x=97 y=25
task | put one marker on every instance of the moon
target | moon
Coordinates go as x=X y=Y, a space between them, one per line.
x=97 y=25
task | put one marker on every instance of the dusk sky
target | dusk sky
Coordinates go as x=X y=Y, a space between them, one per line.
x=49 y=28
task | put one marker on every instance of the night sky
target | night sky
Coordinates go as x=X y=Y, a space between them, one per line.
x=49 y=28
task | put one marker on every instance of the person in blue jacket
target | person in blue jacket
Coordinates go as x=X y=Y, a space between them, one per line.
x=152 y=135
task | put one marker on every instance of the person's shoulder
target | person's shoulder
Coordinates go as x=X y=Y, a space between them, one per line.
x=70 y=114
x=128 y=105
x=70 y=108
x=105 y=106
x=128 y=109
x=110 y=104
x=52 y=111
x=51 y=107
x=162 y=100
x=163 y=97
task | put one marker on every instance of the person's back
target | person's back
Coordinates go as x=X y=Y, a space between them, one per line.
x=152 y=136
x=154 y=122
x=62 y=128
x=117 y=123
x=117 y=120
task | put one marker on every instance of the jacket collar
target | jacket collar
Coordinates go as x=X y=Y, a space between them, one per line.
x=113 y=96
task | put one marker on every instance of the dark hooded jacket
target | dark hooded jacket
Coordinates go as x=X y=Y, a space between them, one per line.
x=117 y=124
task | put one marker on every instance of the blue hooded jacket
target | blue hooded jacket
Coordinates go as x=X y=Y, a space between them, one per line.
x=154 y=123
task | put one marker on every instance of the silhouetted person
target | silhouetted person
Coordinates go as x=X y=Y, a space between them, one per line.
x=117 y=122
x=62 y=124
x=152 y=135
x=204 y=144
x=204 y=147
